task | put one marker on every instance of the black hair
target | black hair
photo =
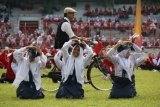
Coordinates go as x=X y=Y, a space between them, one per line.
x=65 y=14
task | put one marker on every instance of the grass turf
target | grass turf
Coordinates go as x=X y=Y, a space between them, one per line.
x=147 y=85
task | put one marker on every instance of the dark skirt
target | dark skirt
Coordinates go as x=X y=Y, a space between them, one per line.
x=123 y=88
x=27 y=90
x=70 y=89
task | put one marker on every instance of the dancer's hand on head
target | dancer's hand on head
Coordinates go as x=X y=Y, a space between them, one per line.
x=84 y=43
x=38 y=50
x=75 y=40
x=30 y=47
x=127 y=43
x=118 y=44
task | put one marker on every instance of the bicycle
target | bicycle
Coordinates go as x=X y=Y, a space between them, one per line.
x=95 y=73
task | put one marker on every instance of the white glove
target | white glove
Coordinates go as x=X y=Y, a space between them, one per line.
x=16 y=83
x=95 y=42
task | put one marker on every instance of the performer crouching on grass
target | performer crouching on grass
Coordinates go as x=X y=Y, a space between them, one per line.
x=28 y=76
x=128 y=57
x=72 y=68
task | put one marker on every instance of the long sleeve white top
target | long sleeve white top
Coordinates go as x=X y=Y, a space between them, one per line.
x=14 y=67
x=135 y=59
x=67 y=64
x=24 y=65
x=66 y=27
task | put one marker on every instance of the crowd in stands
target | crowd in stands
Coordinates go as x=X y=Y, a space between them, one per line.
x=103 y=24
x=154 y=9
x=81 y=28
x=123 y=12
x=52 y=18
x=4 y=27
x=19 y=39
x=150 y=26
x=151 y=42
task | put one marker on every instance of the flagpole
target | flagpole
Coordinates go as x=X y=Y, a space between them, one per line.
x=138 y=24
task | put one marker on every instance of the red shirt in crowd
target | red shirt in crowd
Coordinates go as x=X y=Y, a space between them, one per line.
x=7 y=63
x=97 y=48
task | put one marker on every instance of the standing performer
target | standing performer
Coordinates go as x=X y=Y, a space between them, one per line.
x=28 y=76
x=124 y=62
x=64 y=30
x=72 y=67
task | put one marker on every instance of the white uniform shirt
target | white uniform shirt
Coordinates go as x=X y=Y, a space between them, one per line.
x=14 y=67
x=68 y=63
x=24 y=65
x=135 y=59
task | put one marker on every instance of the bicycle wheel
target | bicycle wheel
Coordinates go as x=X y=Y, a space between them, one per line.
x=96 y=78
x=48 y=84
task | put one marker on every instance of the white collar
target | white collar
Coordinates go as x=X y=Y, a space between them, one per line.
x=67 y=19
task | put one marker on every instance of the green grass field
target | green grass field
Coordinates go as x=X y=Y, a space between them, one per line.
x=147 y=85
